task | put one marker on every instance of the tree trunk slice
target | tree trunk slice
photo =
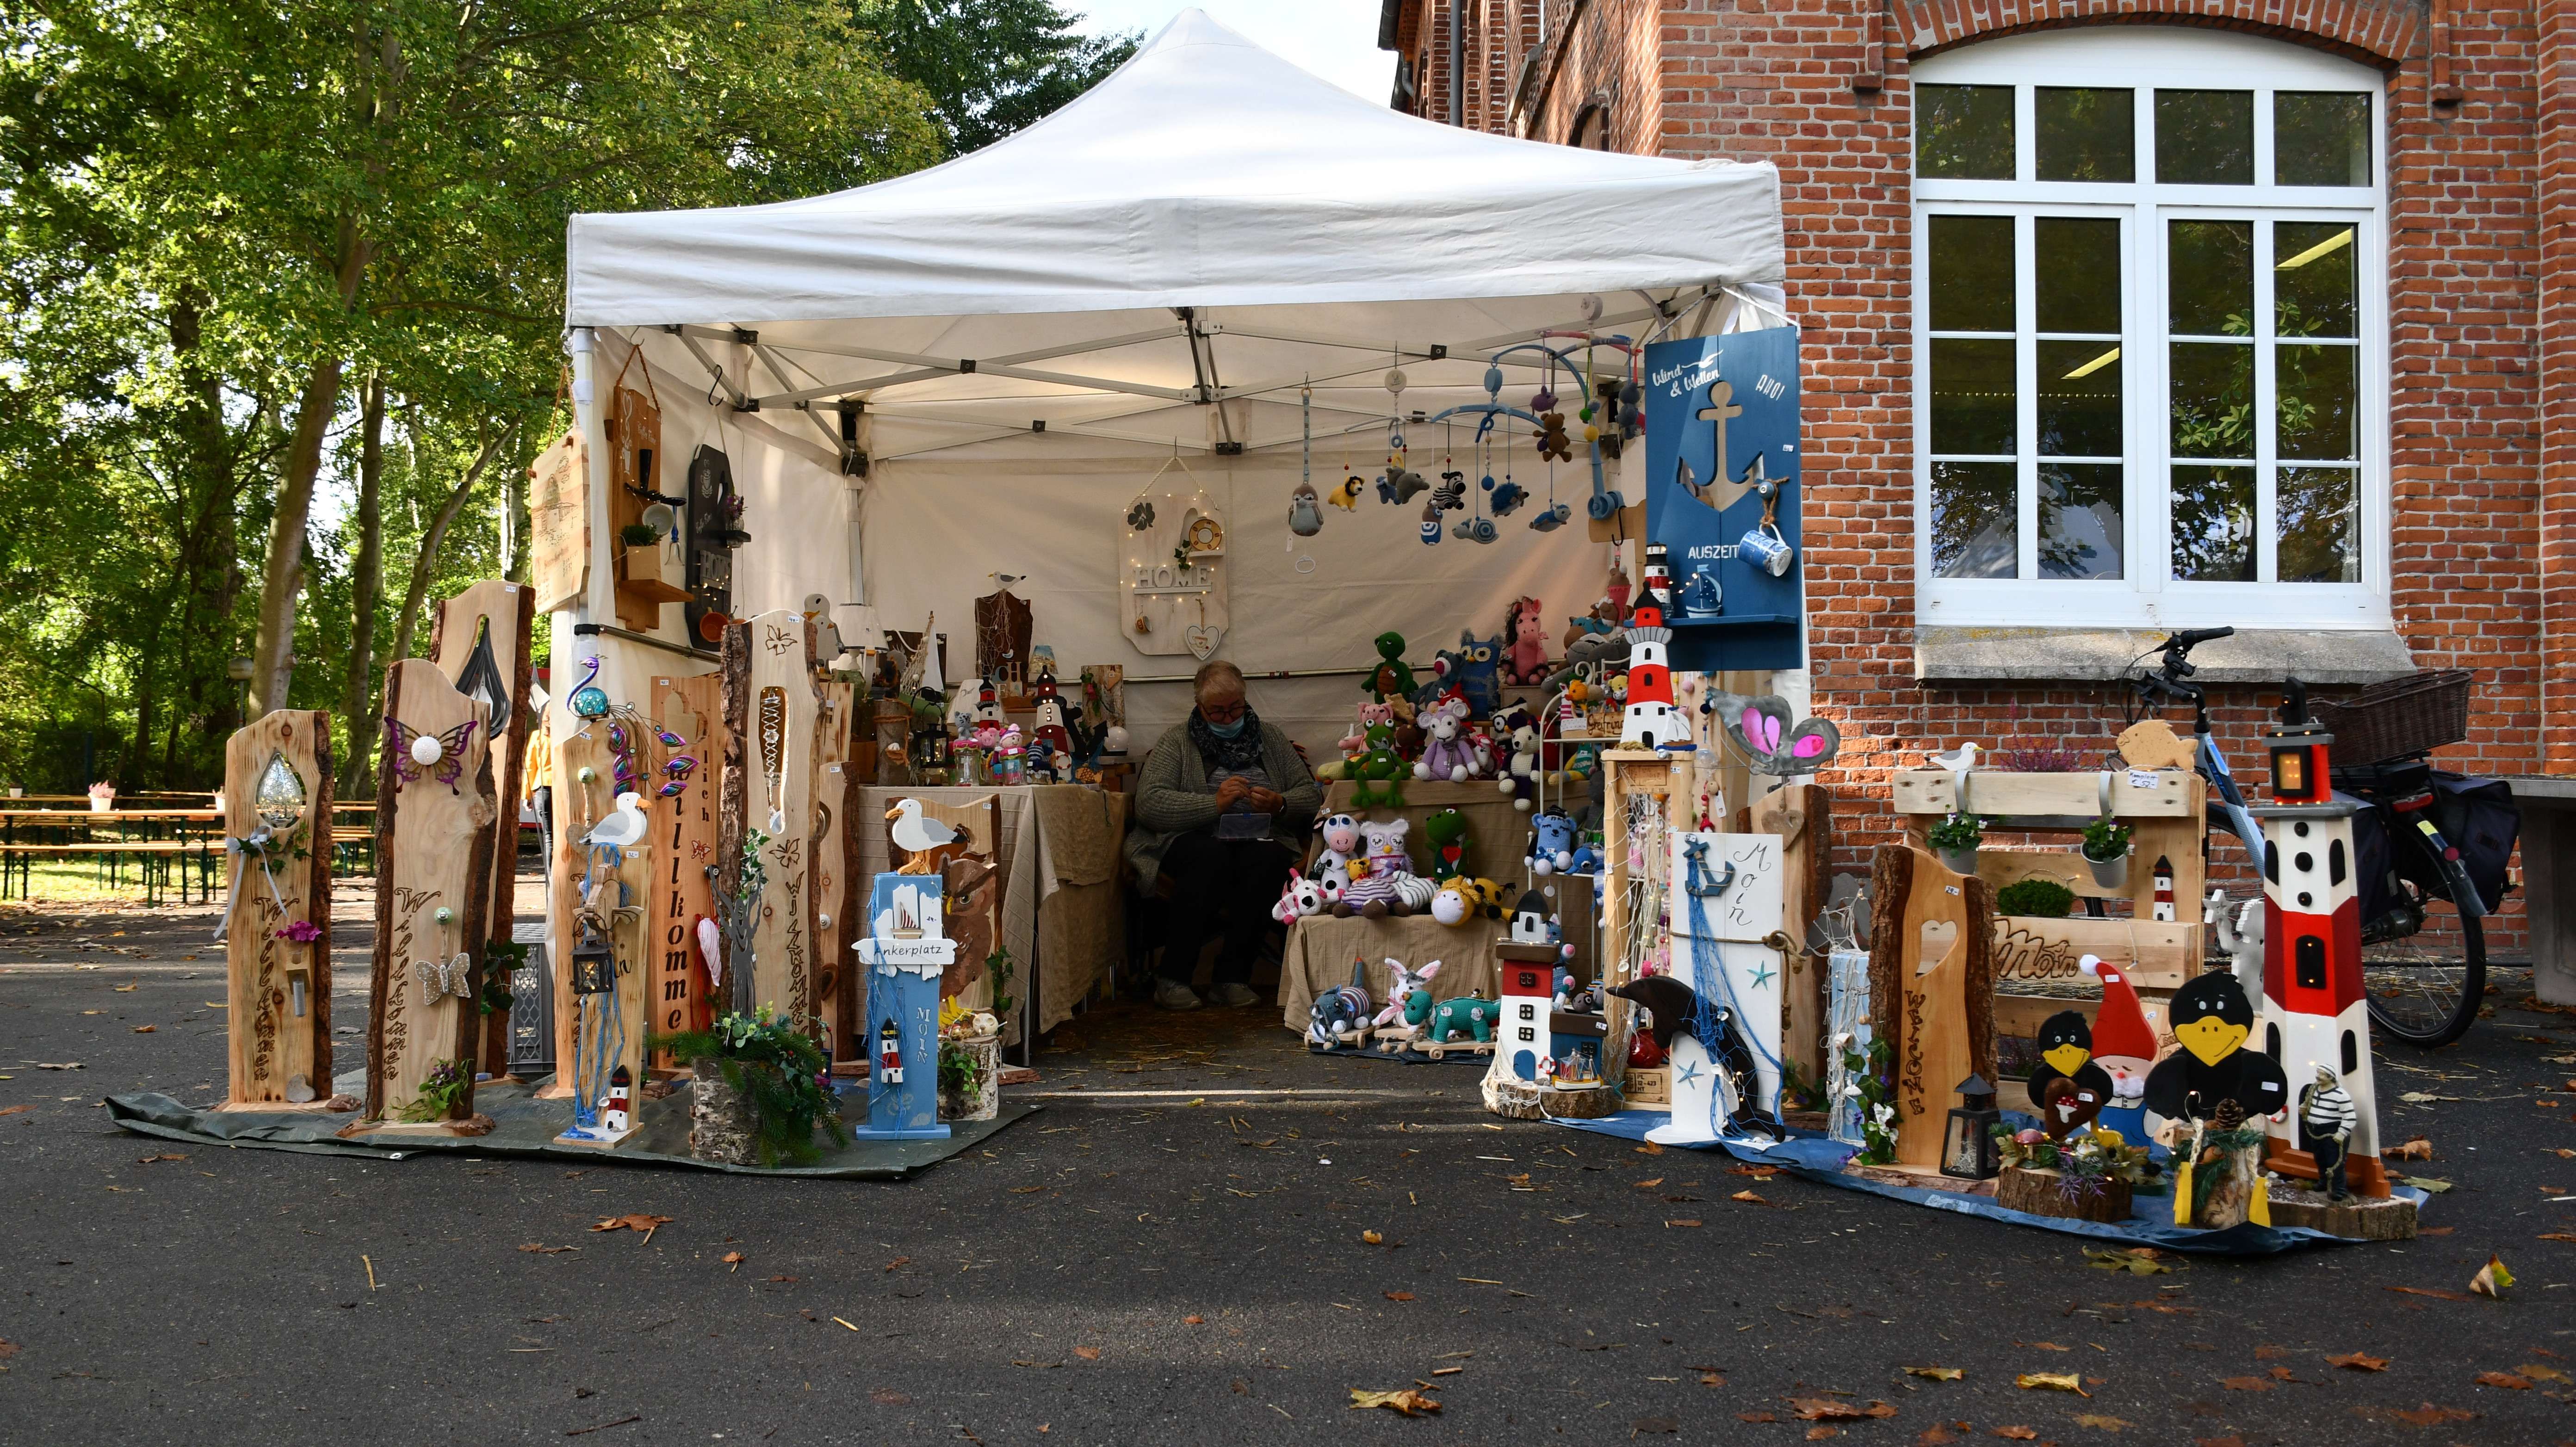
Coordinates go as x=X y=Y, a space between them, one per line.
x=509 y=609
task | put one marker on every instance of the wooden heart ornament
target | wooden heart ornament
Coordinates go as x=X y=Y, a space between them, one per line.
x=1202 y=640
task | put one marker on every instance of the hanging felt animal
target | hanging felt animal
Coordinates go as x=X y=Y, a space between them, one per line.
x=1451 y=494
x=1376 y=888
x=1447 y=832
x=1548 y=519
x=1504 y=497
x=1347 y=495
x=1430 y=524
x=1392 y=678
x=1305 y=516
x=1340 y=1010
x=1552 y=441
x=1398 y=486
x=1400 y=994
x=1473 y=530
x=1301 y=899
x=1448 y=756
x=1552 y=842
x=2067 y=1089
x=1525 y=657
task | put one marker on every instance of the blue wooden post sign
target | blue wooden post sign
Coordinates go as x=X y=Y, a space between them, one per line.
x=1722 y=496
x=904 y=953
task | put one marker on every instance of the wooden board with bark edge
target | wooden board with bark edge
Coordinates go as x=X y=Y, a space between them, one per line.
x=1943 y=1027
x=1630 y=772
x=828 y=847
x=782 y=710
x=508 y=611
x=684 y=844
x=269 y=1043
x=559 y=523
x=433 y=851
x=633 y=428
x=578 y=806
x=1803 y=816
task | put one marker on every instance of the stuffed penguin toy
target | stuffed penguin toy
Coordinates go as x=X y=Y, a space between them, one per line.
x=2211 y=1019
x=2067 y=1089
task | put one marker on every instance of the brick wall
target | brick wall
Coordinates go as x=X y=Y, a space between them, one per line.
x=1820 y=88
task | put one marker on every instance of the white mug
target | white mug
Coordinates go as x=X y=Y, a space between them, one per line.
x=1764 y=548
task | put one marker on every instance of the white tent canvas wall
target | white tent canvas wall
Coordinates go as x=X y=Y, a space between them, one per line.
x=1158 y=272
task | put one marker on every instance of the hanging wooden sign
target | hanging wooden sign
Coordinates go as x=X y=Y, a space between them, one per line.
x=277 y=938
x=436 y=818
x=559 y=523
x=479 y=640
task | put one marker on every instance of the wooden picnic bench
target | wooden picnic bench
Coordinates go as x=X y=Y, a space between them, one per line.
x=193 y=837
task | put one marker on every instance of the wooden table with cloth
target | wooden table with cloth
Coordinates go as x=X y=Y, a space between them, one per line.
x=1320 y=950
x=1061 y=918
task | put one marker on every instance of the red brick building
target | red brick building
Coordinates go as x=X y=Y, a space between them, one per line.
x=2120 y=319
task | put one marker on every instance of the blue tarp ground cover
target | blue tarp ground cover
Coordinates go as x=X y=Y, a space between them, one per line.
x=1815 y=1158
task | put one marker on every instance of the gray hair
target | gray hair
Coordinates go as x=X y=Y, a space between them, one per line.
x=1213 y=671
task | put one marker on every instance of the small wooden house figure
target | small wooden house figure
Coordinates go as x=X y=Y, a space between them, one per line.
x=1527 y=990
x=617 y=1109
x=2164 y=902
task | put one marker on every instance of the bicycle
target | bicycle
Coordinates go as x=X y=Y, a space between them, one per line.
x=2424 y=980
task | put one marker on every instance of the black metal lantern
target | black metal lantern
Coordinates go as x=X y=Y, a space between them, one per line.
x=1968 y=1146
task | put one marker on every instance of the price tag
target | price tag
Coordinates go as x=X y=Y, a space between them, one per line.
x=2142 y=778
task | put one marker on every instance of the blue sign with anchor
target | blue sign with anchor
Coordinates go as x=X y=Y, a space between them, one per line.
x=1722 y=483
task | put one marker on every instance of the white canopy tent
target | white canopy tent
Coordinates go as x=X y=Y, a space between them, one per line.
x=1028 y=333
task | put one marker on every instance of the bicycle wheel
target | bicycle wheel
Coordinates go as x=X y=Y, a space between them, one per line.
x=2426 y=983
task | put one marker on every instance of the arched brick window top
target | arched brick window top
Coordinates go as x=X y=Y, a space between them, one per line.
x=2381 y=35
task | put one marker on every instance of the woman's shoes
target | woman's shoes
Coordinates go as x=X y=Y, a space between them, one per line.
x=1173 y=995
x=1233 y=997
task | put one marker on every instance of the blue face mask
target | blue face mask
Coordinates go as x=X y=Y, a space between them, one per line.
x=1226 y=730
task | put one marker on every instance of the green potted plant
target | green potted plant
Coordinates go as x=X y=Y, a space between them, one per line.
x=2039 y=898
x=1956 y=839
x=2106 y=851
x=758 y=1092
x=641 y=562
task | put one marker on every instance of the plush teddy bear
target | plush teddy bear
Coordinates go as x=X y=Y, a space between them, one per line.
x=1519 y=776
x=1552 y=842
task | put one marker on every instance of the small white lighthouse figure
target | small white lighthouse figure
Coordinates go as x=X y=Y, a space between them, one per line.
x=2314 y=1011
x=1527 y=990
x=616 y=1112
x=1651 y=720
x=889 y=1054
x=2164 y=906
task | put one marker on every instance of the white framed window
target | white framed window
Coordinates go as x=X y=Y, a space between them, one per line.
x=2150 y=325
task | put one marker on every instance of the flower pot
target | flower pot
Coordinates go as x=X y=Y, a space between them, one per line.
x=1959 y=861
x=984 y=1101
x=99 y=805
x=724 y=1123
x=641 y=564
x=2109 y=873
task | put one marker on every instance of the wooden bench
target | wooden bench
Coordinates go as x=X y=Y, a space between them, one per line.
x=19 y=859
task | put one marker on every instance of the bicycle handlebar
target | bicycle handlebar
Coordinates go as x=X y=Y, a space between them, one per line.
x=2189 y=637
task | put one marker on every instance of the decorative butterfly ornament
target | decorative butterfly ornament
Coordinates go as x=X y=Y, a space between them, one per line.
x=441 y=756
x=1772 y=744
x=445 y=978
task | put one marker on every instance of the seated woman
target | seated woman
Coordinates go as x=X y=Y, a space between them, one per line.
x=1222 y=805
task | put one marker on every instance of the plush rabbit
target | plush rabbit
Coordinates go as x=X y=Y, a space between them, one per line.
x=1400 y=996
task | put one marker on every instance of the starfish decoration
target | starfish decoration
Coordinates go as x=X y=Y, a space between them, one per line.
x=1689 y=1074
x=1762 y=973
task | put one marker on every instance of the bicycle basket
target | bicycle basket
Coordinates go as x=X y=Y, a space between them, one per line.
x=2403 y=716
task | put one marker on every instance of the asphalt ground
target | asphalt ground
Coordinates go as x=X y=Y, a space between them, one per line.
x=1176 y=1249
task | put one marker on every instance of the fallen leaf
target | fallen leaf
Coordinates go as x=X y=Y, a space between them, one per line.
x=846 y=1322
x=2016 y=1434
x=1199 y=1320
x=1664 y=1425
x=1749 y=1198
x=776 y=1279
x=1826 y=1409
x=2281 y=1374
x=2056 y=1382
x=1819 y=1434
x=2230 y=1440
x=1755 y=1417
x=1935 y=1435
x=889 y=1397
x=1373 y=1238
x=1712 y=1379
x=2270 y=1353
x=636 y=1222
x=1680 y=1223
x=1088 y=1354
x=2358 y=1362
x=1028 y=1190
x=1391 y=1296
x=125 y=989
x=2417 y=1097
x=2099 y=1422
x=1408 y=1400
x=2492 y=1279
x=2540 y=1372
x=13 y=1110
x=2415 y=1149
x=2545 y=1235
x=1650 y=1183
x=2246 y=1384
x=734 y=1259
x=2140 y=1261
x=145 y=1029
x=2429 y=1184
x=548 y=1250
x=2044 y=1346
x=2429 y=1415
x=898 y=1261
x=8 y=1348
x=1652 y=1149
x=2436 y=1294
x=1938 y=1374
x=165 y=1156
x=1759 y=1173
x=2506 y=1380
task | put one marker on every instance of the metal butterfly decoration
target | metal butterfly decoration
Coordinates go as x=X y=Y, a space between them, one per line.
x=1771 y=743
x=447 y=765
x=447 y=978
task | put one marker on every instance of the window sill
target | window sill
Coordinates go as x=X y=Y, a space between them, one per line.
x=2096 y=655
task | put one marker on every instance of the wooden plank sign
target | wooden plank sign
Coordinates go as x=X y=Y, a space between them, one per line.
x=1728 y=907
x=2133 y=793
x=832 y=847
x=1802 y=815
x=435 y=819
x=684 y=839
x=578 y=806
x=479 y=640
x=277 y=1008
x=559 y=523
x=781 y=711
x=1931 y=990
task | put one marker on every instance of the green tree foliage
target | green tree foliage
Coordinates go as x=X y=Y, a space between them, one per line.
x=991 y=66
x=219 y=221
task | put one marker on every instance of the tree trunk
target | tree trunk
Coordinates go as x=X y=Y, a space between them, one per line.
x=430 y=542
x=366 y=587
x=514 y=529
x=282 y=574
